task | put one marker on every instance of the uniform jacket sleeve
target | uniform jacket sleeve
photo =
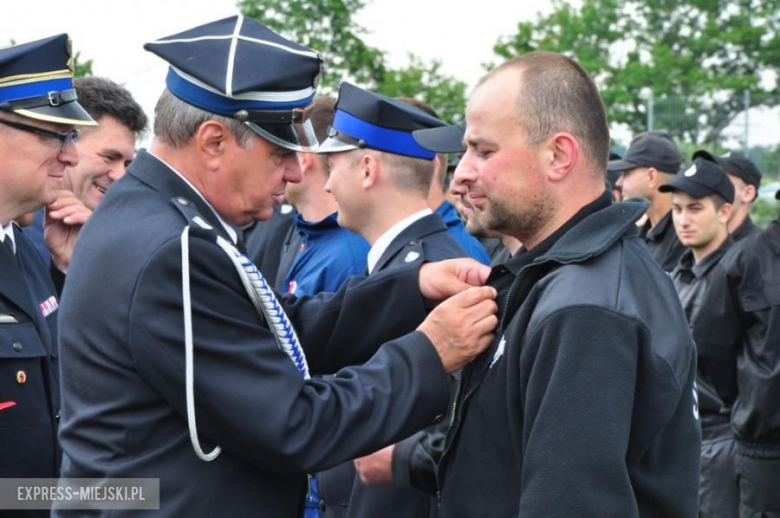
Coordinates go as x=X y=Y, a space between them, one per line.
x=250 y=399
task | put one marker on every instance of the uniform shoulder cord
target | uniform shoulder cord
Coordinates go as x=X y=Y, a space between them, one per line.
x=267 y=306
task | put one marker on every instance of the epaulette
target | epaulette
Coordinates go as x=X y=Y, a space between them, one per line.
x=413 y=251
x=199 y=227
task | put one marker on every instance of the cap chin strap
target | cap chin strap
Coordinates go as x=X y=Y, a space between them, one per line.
x=267 y=306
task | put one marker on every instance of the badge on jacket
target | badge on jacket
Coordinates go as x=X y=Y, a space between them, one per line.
x=48 y=306
x=499 y=351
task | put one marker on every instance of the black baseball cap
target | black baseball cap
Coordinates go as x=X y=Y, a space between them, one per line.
x=652 y=149
x=702 y=179
x=736 y=164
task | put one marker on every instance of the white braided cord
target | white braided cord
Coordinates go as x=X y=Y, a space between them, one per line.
x=267 y=305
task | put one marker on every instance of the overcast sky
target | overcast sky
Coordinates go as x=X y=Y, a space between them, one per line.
x=112 y=34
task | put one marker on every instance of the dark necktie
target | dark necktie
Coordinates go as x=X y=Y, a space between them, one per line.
x=9 y=246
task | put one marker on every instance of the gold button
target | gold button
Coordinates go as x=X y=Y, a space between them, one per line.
x=21 y=377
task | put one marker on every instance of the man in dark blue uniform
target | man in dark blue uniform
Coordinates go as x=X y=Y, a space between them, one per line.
x=381 y=178
x=38 y=112
x=189 y=369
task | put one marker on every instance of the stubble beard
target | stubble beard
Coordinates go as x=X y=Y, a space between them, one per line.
x=523 y=222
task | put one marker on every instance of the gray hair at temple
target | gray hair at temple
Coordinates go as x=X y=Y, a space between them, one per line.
x=176 y=122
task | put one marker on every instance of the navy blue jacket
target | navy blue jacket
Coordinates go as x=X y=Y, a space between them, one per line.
x=28 y=364
x=341 y=490
x=124 y=411
x=584 y=406
x=427 y=239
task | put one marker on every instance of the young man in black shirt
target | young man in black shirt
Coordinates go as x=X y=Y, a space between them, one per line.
x=701 y=207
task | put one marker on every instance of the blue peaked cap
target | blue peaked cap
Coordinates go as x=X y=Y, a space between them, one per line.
x=370 y=120
x=36 y=81
x=237 y=67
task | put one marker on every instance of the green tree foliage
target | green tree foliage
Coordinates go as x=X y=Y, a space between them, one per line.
x=81 y=68
x=705 y=52
x=327 y=27
x=425 y=82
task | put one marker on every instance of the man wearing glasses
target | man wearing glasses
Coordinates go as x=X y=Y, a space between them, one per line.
x=38 y=112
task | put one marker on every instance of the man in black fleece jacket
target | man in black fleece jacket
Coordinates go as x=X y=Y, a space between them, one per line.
x=585 y=405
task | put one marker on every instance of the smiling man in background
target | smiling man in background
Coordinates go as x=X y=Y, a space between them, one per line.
x=104 y=150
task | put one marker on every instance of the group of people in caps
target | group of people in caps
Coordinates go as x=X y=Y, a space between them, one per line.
x=276 y=309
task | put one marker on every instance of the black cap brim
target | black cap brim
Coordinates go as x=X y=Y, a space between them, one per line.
x=689 y=187
x=777 y=195
x=618 y=166
x=65 y=113
x=446 y=139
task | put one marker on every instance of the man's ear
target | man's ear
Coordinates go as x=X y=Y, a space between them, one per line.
x=564 y=150
x=724 y=213
x=369 y=171
x=211 y=142
x=749 y=193
x=654 y=178
x=305 y=161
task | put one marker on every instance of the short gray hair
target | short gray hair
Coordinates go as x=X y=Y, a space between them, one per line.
x=177 y=122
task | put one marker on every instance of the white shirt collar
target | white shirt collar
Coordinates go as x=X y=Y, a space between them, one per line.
x=385 y=239
x=8 y=233
x=229 y=229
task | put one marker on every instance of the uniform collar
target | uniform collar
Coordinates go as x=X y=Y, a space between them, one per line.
x=658 y=232
x=385 y=239
x=700 y=269
x=8 y=233
x=589 y=232
x=229 y=229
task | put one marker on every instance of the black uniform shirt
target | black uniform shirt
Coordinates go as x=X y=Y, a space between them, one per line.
x=746 y=321
x=663 y=242
x=691 y=282
x=747 y=228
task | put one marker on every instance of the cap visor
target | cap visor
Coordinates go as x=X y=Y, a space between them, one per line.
x=65 y=113
x=777 y=195
x=618 y=166
x=689 y=187
x=297 y=137
x=446 y=139
x=332 y=145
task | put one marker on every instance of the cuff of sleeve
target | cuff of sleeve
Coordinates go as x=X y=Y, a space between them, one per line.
x=402 y=453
